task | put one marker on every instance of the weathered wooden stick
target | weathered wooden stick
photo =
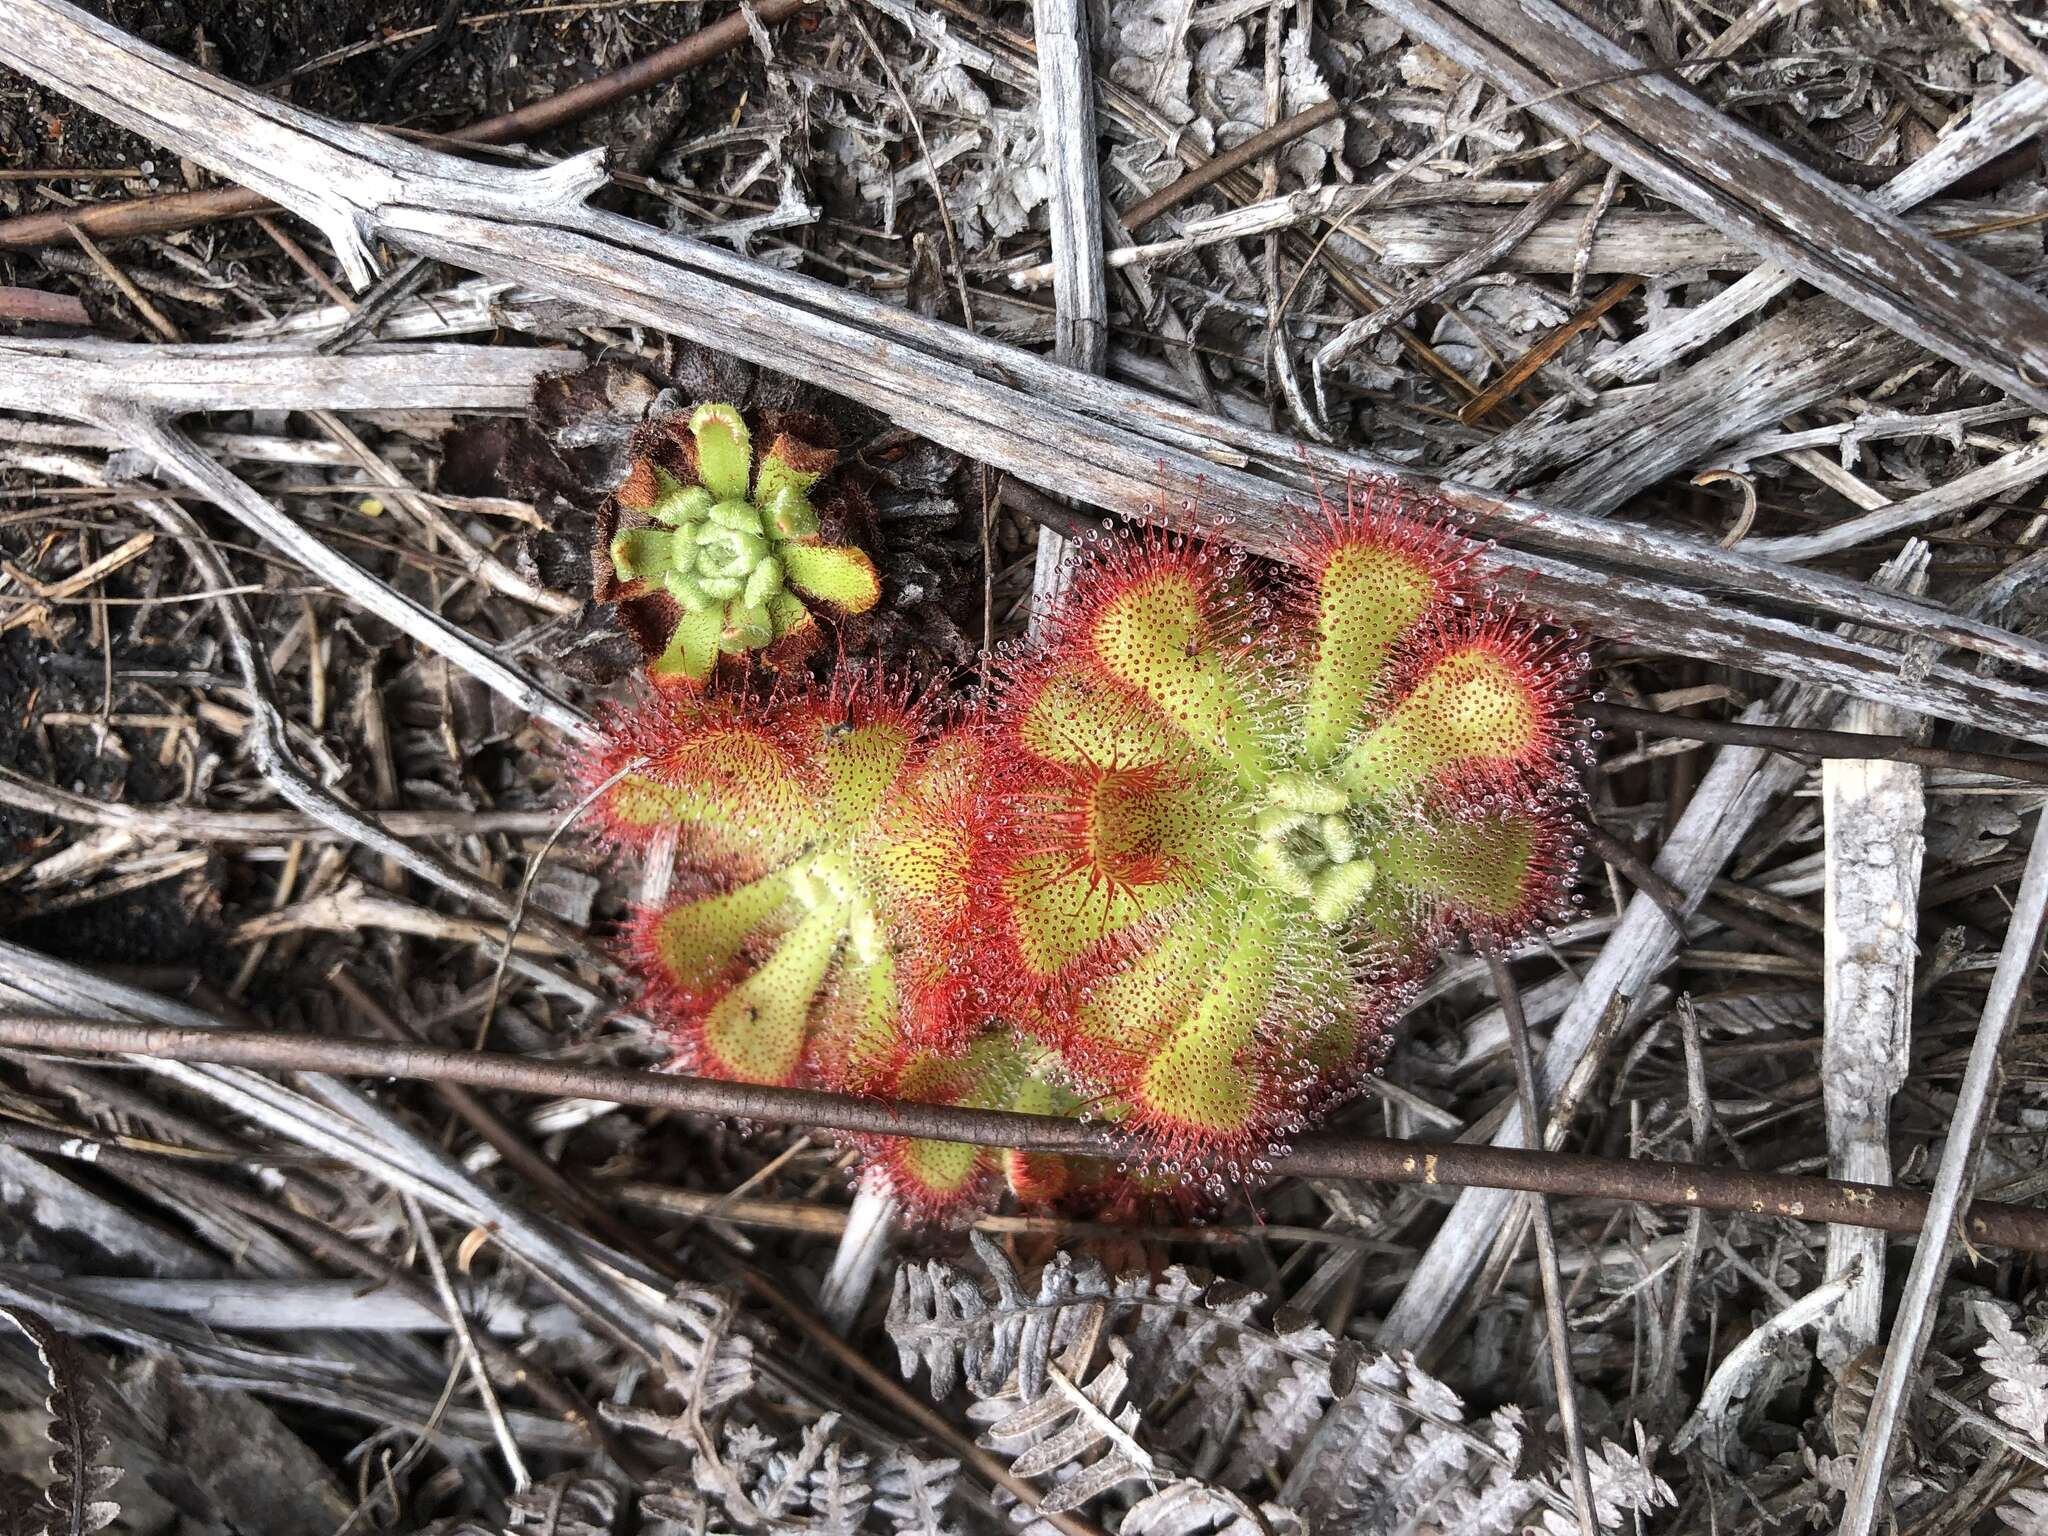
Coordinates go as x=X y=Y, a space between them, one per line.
x=1993 y=128
x=1949 y=1203
x=1652 y=126
x=1875 y=816
x=75 y=378
x=182 y=210
x=1055 y=426
x=1066 y=122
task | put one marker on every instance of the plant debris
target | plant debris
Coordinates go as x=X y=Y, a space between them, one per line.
x=1724 y=327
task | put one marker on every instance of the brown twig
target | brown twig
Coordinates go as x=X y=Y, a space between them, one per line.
x=306 y=264
x=184 y=210
x=1612 y=850
x=1803 y=742
x=158 y=320
x=1530 y=362
x=1671 y=901
x=818 y=1220
x=1337 y=1156
x=37 y=306
x=1176 y=192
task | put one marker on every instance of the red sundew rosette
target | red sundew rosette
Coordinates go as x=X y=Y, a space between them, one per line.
x=1329 y=789
x=797 y=805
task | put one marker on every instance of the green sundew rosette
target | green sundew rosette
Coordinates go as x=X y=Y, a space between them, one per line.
x=1300 y=847
x=739 y=551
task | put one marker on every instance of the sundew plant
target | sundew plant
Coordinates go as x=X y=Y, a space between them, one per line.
x=1246 y=809
x=714 y=554
x=1178 y=871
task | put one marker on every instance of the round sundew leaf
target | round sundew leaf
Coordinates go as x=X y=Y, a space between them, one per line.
x=1470 y=707
x=923 y=866
x=937 y=1176
x=1113 y=853
x=1197 y=1083
x=725 y=453
x=637 y=804
x=1154 y=988
x=790 y=467
x=832 y=573
x=1324 y=1021
x=756 y=1033
x=854 y=1040
x=1038 y=1178
x=1042 y=1178
x=923 y=850
x=1072 y=719
x=984 y=1076
x=1487 y=870
x=1155 y=637
x=1368 y=595
x=1140 y=827
x=860 y=764
x=1058 y=914
x=732 y=783
x=643 y=554
x=695 y=942
x=940 y=1171
x=692 y=652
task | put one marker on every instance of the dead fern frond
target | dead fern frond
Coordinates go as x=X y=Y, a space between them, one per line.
x=939 y=1317
x=1340 y=1439
x=913 y=1493
x=79 y=1481
x=2019 y=1375
x=1052 y=1434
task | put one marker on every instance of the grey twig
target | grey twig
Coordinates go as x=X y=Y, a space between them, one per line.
x=1066 y=122
x=1556 y=1323
x=1949 y=1202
